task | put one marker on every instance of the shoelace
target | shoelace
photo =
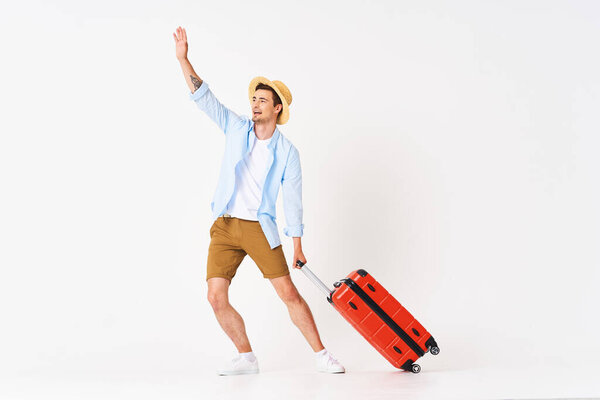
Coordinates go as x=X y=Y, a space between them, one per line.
x=239 y=359
x=331 y=359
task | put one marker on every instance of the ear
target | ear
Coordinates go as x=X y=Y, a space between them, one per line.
x=278 y=108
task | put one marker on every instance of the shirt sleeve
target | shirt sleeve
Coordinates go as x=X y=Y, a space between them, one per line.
x=221 y=115
x=292 y=195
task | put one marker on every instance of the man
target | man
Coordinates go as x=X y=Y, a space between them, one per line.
x=258 y=158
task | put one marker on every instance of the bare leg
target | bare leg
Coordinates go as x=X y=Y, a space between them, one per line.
x=229 y=319
x=299 y=310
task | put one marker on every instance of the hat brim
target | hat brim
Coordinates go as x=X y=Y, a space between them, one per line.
x=284 y=114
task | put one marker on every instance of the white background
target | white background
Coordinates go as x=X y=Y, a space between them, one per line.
x=448 y=149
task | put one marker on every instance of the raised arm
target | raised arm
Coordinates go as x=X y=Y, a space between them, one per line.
x=200 y=93
x=181 y=47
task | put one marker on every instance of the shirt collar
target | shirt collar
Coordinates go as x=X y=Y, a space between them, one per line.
x=273 y=141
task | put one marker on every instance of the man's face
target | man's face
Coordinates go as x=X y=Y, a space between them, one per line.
x=263 y=108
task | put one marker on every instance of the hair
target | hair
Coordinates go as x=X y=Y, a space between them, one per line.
x=276 y=99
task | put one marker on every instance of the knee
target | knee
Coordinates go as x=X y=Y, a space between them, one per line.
x=218 y=301
x=290 y=295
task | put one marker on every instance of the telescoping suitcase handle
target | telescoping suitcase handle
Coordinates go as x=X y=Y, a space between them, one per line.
x=309 y=274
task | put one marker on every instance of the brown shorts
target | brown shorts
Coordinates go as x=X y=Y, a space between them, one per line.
x=231 y=239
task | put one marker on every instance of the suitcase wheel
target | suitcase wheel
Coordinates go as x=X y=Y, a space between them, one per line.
x=416 y=368
x=435 y=350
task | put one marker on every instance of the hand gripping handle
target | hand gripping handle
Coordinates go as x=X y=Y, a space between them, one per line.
x=309 y=274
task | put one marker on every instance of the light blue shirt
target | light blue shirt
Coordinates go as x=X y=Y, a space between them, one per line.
x=283 y=168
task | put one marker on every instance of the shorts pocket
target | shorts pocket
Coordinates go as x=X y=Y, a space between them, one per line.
x=212 y=228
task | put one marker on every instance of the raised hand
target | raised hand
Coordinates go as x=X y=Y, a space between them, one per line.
x=181 y=46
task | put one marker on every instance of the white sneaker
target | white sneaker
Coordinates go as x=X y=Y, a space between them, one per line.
x=328 y=363
x=239 y=366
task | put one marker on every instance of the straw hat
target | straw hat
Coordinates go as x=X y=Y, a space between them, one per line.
x=284 y=94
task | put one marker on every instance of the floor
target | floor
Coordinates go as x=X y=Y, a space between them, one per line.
x=484 y=383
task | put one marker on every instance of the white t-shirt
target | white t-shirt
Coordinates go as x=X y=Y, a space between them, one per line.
x=249 y=176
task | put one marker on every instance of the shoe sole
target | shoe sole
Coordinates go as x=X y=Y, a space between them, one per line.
x=227 y=373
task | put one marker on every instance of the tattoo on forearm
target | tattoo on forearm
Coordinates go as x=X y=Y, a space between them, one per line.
x=197 y=82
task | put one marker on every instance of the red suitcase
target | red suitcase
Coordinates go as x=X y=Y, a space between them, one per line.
x=379 y=318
